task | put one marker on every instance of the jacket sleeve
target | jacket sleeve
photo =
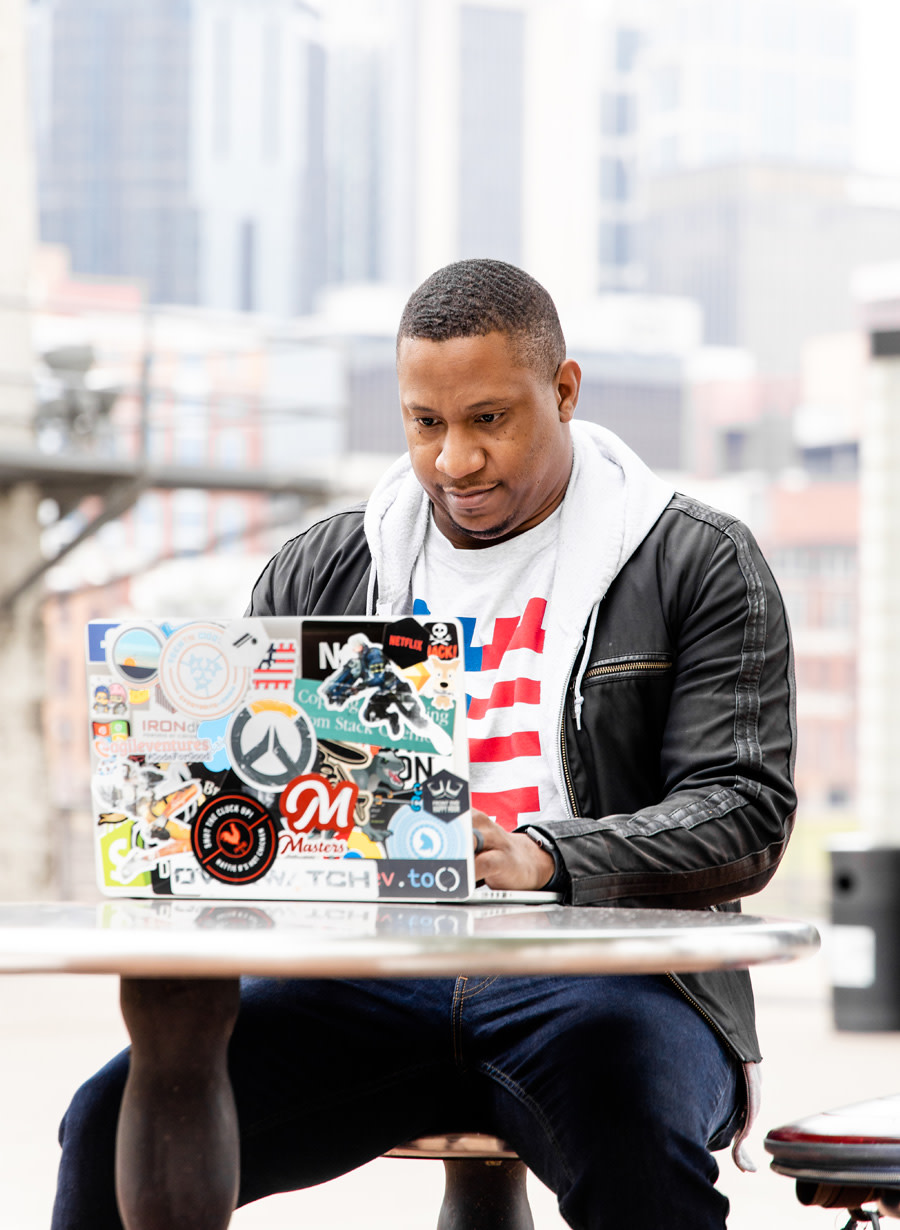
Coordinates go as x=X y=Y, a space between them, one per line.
x=722 y=763
x=323 y=571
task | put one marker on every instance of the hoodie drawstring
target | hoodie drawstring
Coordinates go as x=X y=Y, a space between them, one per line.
x=588 y=642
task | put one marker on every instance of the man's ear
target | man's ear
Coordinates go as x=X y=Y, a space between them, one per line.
x=568 y=384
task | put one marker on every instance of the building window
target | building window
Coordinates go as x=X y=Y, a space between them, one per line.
x=270 y=111
x=667 y=87
x=231 y=525
x=230 y=448
x=614 y=179
x=734 y=450
x=148 y=524
x=837 y=611
x=628 y=46
x=615 y=243
x=832 y=460
x=221 y=86
x=247 y=265
x=190 y=441
x=618 y=114
x=189 y=510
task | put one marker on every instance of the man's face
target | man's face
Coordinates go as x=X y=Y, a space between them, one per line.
x=488 y=437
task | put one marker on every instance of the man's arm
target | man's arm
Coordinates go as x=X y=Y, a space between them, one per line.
x=725 y=802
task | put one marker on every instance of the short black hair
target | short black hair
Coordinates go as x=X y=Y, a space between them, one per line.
x=474 y=297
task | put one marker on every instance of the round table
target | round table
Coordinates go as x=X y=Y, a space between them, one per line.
x=201 y=939
x=180 y=960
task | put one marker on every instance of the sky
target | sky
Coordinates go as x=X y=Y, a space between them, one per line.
x=879 y=86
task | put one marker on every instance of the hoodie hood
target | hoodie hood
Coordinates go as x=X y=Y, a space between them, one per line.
x=611 y=503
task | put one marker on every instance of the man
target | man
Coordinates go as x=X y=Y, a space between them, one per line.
x=631 y=739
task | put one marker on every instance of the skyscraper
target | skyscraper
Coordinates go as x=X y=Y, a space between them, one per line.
x=112 y=108
x=751 y=201
x=182 y=142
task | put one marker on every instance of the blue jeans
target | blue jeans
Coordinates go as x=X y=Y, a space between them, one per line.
x=611 y=1089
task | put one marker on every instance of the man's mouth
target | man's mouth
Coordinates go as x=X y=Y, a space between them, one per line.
x=468 y=497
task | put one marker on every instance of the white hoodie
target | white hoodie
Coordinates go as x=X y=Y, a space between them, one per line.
x=611 y=503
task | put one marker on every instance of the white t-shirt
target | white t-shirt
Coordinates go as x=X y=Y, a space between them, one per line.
x=500 y=595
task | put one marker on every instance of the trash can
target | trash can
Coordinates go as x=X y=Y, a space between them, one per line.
x=865 y=934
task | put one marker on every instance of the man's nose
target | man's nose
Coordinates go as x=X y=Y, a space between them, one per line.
x=460 y=455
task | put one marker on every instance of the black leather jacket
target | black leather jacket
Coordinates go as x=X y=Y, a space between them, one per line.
x=679 y=764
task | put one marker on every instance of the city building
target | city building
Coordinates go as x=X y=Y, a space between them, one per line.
x=181 y=142
x=729 y=82
x=242 y=156
x=767 y=249
x=111 y=91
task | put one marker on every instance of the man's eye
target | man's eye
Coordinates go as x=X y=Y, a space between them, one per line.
x=425 y=422
x=490 y=417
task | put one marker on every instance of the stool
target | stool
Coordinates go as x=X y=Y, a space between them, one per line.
x=484 y=1181
x=844 y=1158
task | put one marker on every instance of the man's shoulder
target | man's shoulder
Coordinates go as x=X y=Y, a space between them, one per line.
x=321 y=567
x=344 y=524
x=691 y=534
x=705 y=514
x=690 y=518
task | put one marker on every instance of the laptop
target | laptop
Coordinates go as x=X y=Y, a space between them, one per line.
x=282 y=758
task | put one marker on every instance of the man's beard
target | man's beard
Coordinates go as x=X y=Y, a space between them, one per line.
x=488 y=535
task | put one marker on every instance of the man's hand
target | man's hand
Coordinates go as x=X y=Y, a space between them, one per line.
x=509 y=860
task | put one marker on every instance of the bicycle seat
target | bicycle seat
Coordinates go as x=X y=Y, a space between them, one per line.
x=845 y=1157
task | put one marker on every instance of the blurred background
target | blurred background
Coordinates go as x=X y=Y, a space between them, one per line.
x=211 y=214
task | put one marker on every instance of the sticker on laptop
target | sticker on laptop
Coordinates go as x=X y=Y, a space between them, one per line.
x=197 y=674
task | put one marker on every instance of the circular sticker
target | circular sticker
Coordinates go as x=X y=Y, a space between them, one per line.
x=270 y=742
x=234 y=839
x=197 y=674
x=133 y=652
x=416 y=834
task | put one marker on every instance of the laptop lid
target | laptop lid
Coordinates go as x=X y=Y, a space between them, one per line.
x=280 y=758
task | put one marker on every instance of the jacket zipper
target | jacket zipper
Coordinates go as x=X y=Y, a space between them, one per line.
x=717 y=1030
x=620 y=668
x=567 y=777
x=608 y=670
x=574 y=808
x=594 y=672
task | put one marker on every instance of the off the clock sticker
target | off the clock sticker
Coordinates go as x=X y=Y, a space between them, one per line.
x=270 y=742
x=234 y=839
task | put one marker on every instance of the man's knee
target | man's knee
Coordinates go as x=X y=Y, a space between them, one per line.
x=94 y=1108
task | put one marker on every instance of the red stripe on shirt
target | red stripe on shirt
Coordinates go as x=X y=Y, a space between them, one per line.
x=512 y=633
x=507 y=805
x=505 y=747
x=503 y=695
x=530 y=634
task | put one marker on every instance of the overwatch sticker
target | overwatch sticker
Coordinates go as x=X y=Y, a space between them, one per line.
x=234 y=839
x=270 y=742
x=197 y=674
